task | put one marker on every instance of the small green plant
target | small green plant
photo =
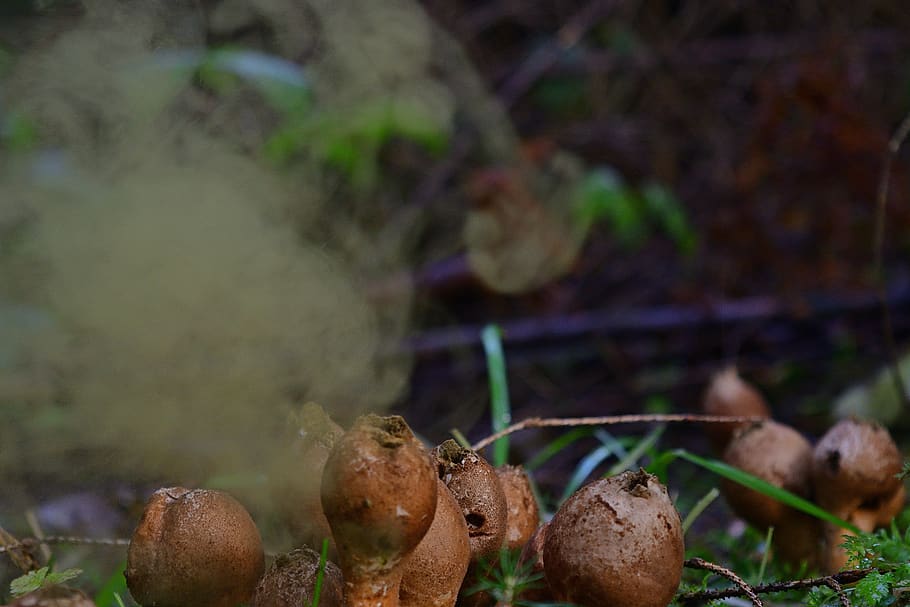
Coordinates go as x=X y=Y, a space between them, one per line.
x=40 y=578
x=633 y=213
x=506 y=579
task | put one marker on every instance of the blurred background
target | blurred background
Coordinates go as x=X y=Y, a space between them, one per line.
x=213 y=211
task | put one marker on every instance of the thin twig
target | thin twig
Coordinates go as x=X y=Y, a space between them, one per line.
x=894 y=146
x=568 y=422
x=836 y=587
x=843 y=577
x=698 y=563
x=31 y=542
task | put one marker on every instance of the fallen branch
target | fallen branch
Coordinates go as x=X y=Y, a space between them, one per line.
x=698 y=563
x=849 y=576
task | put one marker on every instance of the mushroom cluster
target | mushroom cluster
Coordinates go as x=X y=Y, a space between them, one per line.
x=852 y=472
x=408 y=526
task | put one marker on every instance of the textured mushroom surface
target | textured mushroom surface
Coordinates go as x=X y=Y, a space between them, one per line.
x=775 y=453
x=523 y=514
x=476 y=487
x=616 y=541
x=855 y=466
x=435 y=570
x=379 y=495
x=194 y=548
x=291 y=581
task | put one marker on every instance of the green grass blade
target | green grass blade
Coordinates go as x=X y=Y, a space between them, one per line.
x=320 y=572
x=756 y=484
x=636 y=452
x=113 y=586
x=699 y=507
x=499 y=390
x=557 y=445
x=584 y=469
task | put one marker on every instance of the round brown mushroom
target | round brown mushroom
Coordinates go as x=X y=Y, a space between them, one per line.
x=728 y=394
x=775 y=453
x=523 y=514
x=437 y=567
x=854 y=473
x=291 y=582
x=616 y=541
x=476 y=487
x=379 y=494
x=194 y=548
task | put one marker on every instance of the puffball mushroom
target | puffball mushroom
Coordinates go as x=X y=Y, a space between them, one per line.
x=379 y=490
x=435 y=570
x=854 y=473
x=616 y=541
x=728 y=394
x=775 y=453
x=297 y=477
x=291 y=582
x=523 y=514
x=476 y=487
x=194 y=548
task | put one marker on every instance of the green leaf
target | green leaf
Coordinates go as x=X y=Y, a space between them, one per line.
x=31 y=581
x=499 y=390
x=756 y=484
x=873 y=589
x=59 y=577
x=557 y=445
x=35 y=580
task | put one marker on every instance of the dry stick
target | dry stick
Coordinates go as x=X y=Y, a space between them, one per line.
x=31 y=542
x=567 y=422
x=836 y=587
x=894 y=146
x=698 y=563
x=844 y=577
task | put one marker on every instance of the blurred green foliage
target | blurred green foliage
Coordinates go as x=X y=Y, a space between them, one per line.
x=634 y=214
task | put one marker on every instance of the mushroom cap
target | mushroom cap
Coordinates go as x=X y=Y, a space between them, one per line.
x=291 y=580
x=476 y=487
x=194 y=548
x=775 y=453
x=616 y=541
x=523 y=514
x=855 y=465
x=728 y=394
x=379 y=495
x=435 y=570
x=296 y=478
